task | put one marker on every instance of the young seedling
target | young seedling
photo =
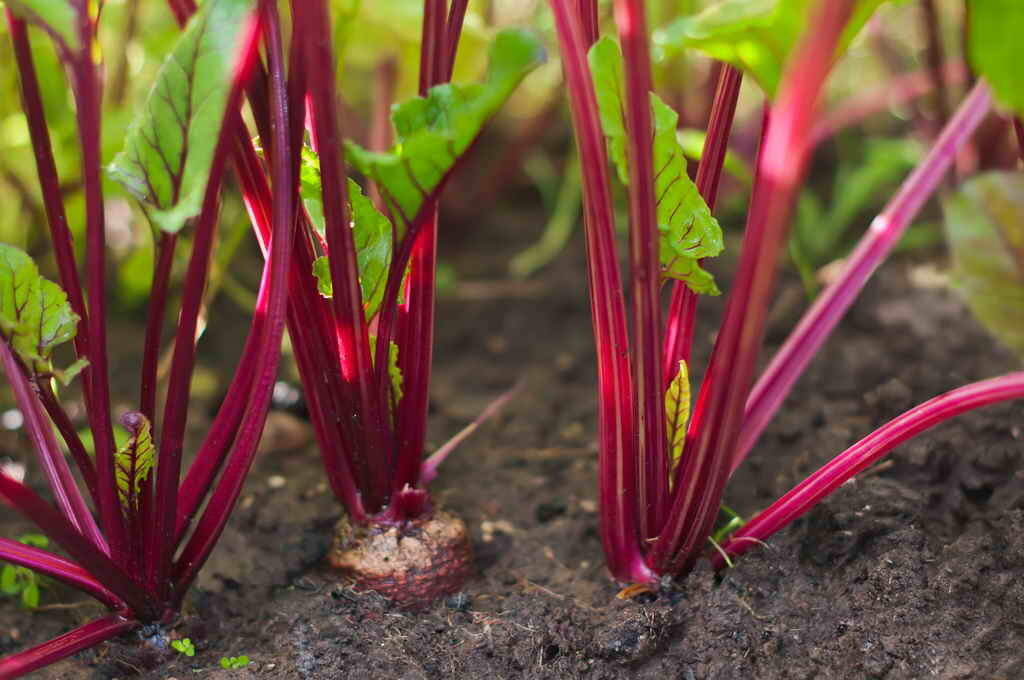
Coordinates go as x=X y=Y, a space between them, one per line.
x=361 y=308
x=184 y=647
x=142 y=551
x=22 y=582
x=232 y=662
x=663 y=470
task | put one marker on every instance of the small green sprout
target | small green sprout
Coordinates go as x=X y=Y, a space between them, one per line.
x=15 y=580
x=184 y=646
x=234 y=661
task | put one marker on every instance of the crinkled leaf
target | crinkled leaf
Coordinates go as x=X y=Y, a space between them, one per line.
x=996 y=50
x=169 y=146
x=985 y=231
x=134 y=460
x=58 y=17
x=35 y=315
x=687 y=230
x=371 y=233
x=432 y=132
x=677 y=411
x=754 y=35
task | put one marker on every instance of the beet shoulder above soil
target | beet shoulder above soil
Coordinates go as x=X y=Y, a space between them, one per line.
x=914 y=570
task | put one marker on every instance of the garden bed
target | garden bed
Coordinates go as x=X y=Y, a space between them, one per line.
x=914 y=570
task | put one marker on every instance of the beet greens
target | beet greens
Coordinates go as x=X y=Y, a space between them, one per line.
x=663 y=472
x=362 y=324
x=138 y=558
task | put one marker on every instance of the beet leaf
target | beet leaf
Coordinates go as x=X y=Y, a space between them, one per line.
x=432 y=132
x=687 y=231
x=35 y=316
x=985 y=233
x=170 y=145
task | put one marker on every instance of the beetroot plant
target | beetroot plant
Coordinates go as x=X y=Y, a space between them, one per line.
x=361 y=289
x=123 y=514
x=662 y=472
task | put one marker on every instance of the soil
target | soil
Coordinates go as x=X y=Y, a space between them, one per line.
x=913 y=570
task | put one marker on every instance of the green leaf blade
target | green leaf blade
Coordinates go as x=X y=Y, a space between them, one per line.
x=677 y=412
x=984 y=224
x=135 y=460
x=371 y=235
x=57 y=17
x=996 y=50
x=687 y=230
x=434 y=131
x=35 y=316
x=170 y=145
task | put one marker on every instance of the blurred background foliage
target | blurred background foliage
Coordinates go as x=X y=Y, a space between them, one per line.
x=524 y=155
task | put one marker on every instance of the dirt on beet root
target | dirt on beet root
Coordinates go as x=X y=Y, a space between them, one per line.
x=915 y=569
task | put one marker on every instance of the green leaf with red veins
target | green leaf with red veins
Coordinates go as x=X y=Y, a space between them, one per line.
x=35 y=315
x=170 y=145
x=687 y=230
x=985 y=231
x=59 y=18
x=134 y=460
x=433 y=132
x=677 y=412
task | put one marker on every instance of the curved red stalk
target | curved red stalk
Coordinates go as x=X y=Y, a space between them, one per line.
x=414 y=331
x=88 y=91
x=617 y=435
x=843 y=467
x=275 y=279
x=57 y=567
x=80 y=638
x=58 y=474
x=718 y=414
x=645 y=271
x=155 y=312
x=49 y=180
x=159 y=540
x=81 y=549
x=830 y=306
x=373 y=456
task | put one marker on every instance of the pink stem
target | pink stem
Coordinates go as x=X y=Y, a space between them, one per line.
x=645 y=284
x=80 y=638
x=719 y=410
x=59 y=568
x=867 y=451
x=829 y=307
x=617 y=434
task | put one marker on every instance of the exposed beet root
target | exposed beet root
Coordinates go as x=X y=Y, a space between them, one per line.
x=414 y=564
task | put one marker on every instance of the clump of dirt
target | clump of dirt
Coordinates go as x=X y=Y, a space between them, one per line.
x=914 y=570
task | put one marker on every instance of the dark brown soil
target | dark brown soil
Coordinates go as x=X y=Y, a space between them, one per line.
x=914 y=570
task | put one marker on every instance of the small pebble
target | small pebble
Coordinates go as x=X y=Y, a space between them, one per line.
x=276 y=481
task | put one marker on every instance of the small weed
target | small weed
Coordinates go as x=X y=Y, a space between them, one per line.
x=184 y=646
x=234 y=661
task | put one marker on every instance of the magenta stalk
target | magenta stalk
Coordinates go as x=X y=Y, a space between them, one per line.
x=616 y=429
x=718 y=414
x=883 y=234
x=867 y=451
